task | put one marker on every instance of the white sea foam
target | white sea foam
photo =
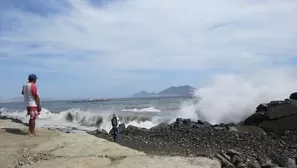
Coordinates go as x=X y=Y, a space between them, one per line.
x=148 y=109
x=233 y=97
x=84 y=120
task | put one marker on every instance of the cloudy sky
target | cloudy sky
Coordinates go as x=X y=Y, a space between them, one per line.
x=113 y=48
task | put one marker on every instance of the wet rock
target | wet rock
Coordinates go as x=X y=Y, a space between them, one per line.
x=69 y=117
x=184 y=123
x=122 y=128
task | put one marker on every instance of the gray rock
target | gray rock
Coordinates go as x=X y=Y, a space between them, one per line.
x=240 y=165
x=225 y=155
x=253 y=164
x=232 y=152
x=224 y=162
x=236 y=160
x=283 y=161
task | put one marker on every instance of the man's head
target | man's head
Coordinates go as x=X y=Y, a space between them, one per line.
x=32 y=78
x=114 y=115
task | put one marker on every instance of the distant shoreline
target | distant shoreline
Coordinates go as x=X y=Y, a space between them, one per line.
x=144 y=98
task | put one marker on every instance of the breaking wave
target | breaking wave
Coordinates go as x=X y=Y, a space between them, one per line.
x=85 y=120
x=148 y=109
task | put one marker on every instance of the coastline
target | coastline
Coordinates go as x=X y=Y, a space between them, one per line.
x=53 y=148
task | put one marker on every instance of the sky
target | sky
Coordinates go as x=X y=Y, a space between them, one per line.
x=114 y=48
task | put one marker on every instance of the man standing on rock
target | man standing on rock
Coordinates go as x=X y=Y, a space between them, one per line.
x=115 y=127
x=31 y=101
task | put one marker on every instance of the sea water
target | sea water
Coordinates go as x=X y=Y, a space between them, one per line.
x=145 y=112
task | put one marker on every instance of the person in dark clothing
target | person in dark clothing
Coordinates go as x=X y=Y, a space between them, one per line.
x=115 y=127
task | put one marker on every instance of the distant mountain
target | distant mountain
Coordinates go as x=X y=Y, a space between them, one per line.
x=144 y=94
x=173 y=91
x=186 y=91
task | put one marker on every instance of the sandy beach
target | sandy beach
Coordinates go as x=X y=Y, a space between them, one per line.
x=53 y=148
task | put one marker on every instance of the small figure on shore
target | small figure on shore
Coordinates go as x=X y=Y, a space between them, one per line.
x=115 y=127
x=31 y=101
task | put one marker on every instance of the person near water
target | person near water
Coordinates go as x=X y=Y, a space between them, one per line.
x=115 y=127
x=31 y=101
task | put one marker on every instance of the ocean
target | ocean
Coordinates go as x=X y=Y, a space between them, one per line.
x=145 y=112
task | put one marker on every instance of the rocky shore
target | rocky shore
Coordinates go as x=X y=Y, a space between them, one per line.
x=53 y=148
x=266 y=139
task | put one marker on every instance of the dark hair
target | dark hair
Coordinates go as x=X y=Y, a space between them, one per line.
x=30 y=79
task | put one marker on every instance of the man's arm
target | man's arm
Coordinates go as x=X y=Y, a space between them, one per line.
x=36 y=96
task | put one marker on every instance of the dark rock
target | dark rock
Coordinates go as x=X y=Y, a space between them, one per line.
x=199 y=122
x=69 y=117
x=122 y=128
x=276 y=116
x=282 y=109
x=3 y=117
x=184 y=123
x=261 y=107
x=293 y=96
x=132 y=128
x=256 y=118
x=281 y=124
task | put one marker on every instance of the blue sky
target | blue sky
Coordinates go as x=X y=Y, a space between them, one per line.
x=111 y=48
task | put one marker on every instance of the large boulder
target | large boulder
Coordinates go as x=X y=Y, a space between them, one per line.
x=293 y=96
x=275 y=116
x=184 y=123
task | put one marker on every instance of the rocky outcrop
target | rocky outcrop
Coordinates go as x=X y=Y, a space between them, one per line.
x=275 y=116
x=233 y=145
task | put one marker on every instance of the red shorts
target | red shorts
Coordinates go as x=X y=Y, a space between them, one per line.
x=33 y=112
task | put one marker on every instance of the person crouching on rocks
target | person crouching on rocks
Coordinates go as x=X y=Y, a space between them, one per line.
x=115 y=127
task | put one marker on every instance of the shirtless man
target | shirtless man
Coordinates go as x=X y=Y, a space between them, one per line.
x=32 y=101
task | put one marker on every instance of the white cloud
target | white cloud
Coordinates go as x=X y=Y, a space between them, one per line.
x=164 y=34
x=160 y=35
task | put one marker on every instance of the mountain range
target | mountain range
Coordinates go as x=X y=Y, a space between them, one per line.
x=173 y=91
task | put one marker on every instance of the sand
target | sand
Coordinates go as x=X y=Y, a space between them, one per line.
x=52 y=148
